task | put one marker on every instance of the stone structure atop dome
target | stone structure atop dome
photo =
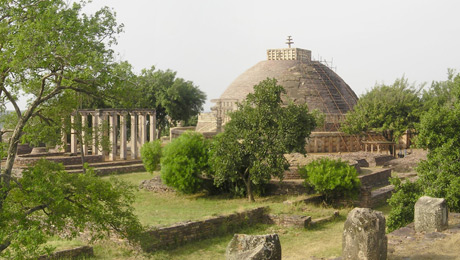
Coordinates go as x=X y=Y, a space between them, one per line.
x=305 y=80
x=289 y=54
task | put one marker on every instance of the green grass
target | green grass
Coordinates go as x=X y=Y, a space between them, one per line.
x=161 y=209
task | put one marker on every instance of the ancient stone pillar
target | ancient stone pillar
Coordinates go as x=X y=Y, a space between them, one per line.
x=102 y=122
x=95 y=148
x=84 y=125
x=153 y=124
x=430 y=214
x=63 y=146
x=133 y=135
x=123 y=138
x=142 y=130
x=364 y=235
x=113 y=136
x=73 y=137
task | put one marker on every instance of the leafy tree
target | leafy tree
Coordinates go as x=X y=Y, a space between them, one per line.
x=151 y=155
x=174 y=99
x=260 y=132
x=48 y=200
x=184 y=161
x=439 y=175
x=49 y=49
x=440 y=123
x=390 y=110
x=333 y=178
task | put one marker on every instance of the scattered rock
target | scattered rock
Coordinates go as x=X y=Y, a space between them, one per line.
x=260 y=247
x=155 y=185
x=430 y=214
x=364 y=235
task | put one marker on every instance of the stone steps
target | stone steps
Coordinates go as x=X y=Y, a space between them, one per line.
x=104 y=164
x=376 y=197
x=107 y=170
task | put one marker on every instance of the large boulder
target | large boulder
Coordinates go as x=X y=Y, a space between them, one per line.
x=430 y=214
x=364 y=235
x=260 y=247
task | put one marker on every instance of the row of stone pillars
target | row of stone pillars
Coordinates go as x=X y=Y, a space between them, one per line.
x=100 y=117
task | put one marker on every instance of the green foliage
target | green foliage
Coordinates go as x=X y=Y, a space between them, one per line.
x=440 y=124
x=184 y=161
x=171 y=97
x=54 y=55
x=333 y=178
x=439 y=175
x=47 y=201
x=252 y=147
x=402 y=203
x=386 y=109
x=151 y=155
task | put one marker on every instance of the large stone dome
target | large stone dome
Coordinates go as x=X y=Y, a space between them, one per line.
x=304 y=80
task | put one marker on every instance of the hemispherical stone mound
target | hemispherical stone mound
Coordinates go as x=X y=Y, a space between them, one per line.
x=304 y=81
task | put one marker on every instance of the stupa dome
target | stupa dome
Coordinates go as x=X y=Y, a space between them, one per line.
x=304 y=80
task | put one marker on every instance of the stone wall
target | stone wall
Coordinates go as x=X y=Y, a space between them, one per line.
x=375 y=179
x=181 y=233
x=177 y=131
x=66 y=160
x=74 y=253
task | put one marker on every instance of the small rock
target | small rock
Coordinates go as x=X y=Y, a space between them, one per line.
x=257 y=247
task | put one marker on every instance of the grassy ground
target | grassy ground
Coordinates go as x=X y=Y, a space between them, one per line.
x=167 y=208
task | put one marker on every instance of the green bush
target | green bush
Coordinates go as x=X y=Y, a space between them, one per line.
x=333 y=178
x=183 y=162
x=402 y=203
x=151 y=155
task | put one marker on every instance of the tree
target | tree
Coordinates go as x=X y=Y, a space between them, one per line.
x=260 y=132
x=390 y=110
x=49 y=49
x=184 y=161
x=439 y=175
x=174 y=99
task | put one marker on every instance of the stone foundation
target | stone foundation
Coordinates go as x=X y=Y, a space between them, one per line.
x=181 y=233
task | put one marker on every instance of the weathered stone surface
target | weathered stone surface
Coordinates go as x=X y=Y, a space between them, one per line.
x=286 y=220
x=182 y=233
x=430 y=214
x=247 y=247
x=364 y=235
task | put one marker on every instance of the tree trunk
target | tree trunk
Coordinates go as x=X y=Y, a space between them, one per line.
x=249 y=190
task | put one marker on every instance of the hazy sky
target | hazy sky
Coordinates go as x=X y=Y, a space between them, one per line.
x=211 y=42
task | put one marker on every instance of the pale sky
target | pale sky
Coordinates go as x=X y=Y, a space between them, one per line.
x=211 y=42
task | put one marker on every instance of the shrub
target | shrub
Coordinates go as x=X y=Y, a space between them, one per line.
x=333 y=178
x=402 y=203
x=183 y=162
x=151 y=155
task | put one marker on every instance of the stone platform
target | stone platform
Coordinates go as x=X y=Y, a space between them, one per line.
x=72 y=163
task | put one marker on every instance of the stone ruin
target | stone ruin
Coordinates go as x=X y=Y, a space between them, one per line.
x=143 y=123
x=364 y=235
x=256 y=247
x=430 y=214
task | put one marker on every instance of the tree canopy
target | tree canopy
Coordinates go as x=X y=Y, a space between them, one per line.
x=439 y=175
x=49 y=51
x=252 y=147
x=387 y=109
x=173 y=98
